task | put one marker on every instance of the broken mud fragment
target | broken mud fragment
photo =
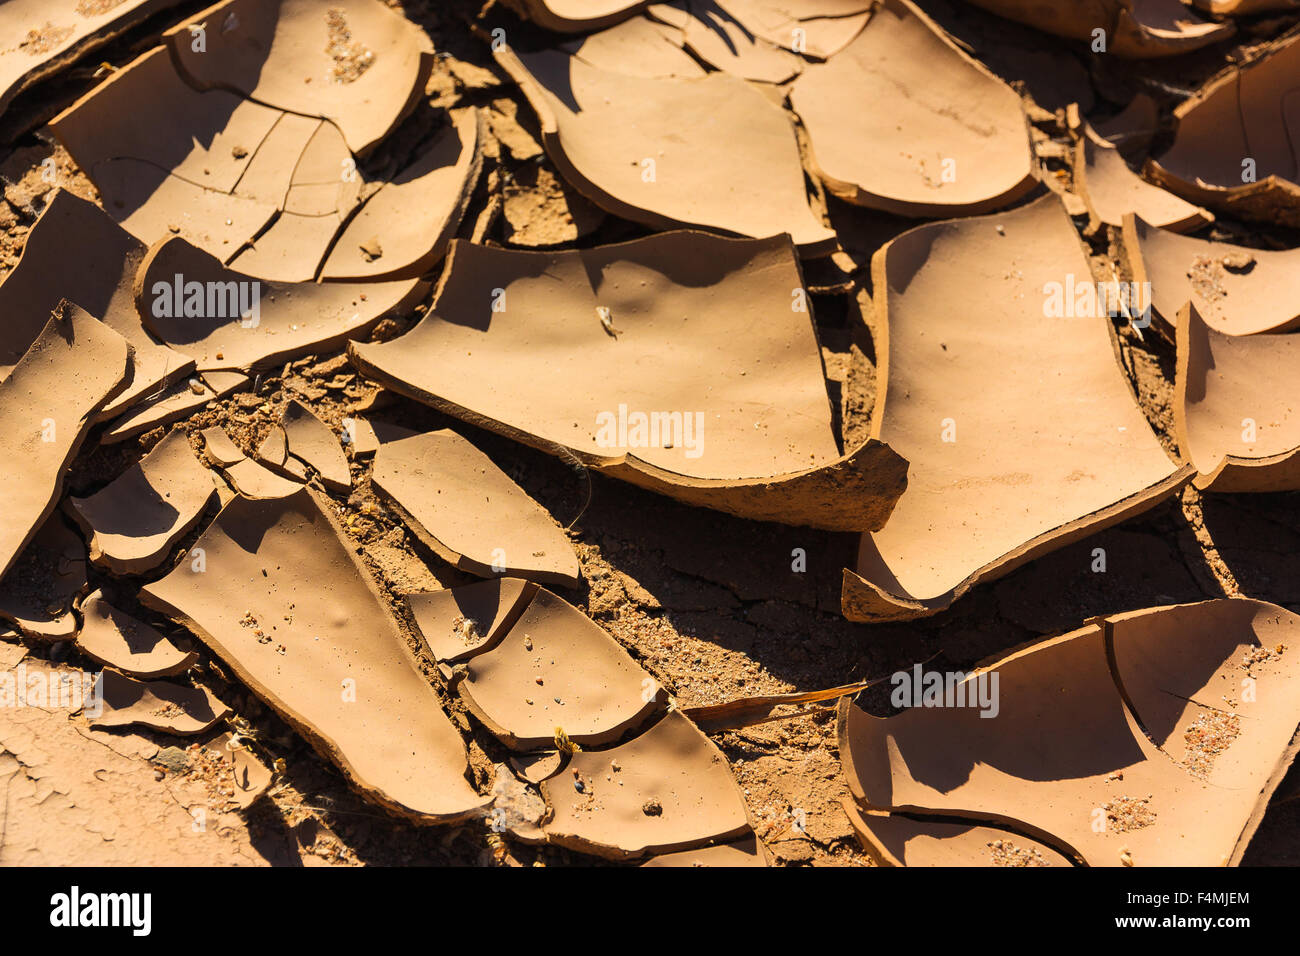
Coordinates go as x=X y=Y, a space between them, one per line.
x=310 y=440
x=291 y=610
x=893 y=839
x=417 y=212
x=176 y=173
x=274 y=454
x=158 y=705
x=133 y=523
x=151 y=206
x=115 y=639
x=1133 y=29
x=1237 y=407
x=197 y=144
x=707 y=151
x=1112 y=191
x=1236 y=290
x=1026 y=467
x=71 y=229
x=1232 y=148
x=815 y=29
x=577 y=16
x=459 y=623
x=641 y=46
x=259 y=483
x=1193 y=676
x=219 y=449
x=250 y=478
x=37 y=593
x=362 y=66
x=691 y=399
x=225 y=320
x=536 y=767
x=56 y=34
x=1131 y=791
x=305 y=170
x=556 y=668
x=172 y=402
x=48 y=402
x=360 y=438
x=469 y=512
x=1131 y=130
x=919 y=151
x=274 y=450
x=762 y=708
x=247 y=776
x=711 y=35
x=747 y=852
x=672 y=791
x=298 y=152
x=277 y=195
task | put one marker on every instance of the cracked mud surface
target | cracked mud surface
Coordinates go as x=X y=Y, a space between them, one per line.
x=706 y=603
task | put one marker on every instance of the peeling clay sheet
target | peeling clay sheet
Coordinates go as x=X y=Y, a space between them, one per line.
x=261 y=115
x=708 y=151
x=44 y=37
x=1237 y=407
x=75 y=365
x=943 y=137
x=664 y=325
x=1175 y=769
x=299 y=584
x=1133 y=29
x=1061 y=451
x=1234 y=141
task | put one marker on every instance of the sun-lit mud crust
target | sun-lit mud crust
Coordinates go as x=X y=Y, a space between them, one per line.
x=712 y=607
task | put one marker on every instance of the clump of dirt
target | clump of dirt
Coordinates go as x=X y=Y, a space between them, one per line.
x=542 y=210
x=1128 y=813
x=467 y=630
x=1008 y=853
x=1209 y=735
x=1261 y=655
x=351 y=59
x=44 y=39
x=95 y=8
x=1207 y=275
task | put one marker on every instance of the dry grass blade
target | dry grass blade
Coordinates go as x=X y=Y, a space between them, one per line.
x=748 y=711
